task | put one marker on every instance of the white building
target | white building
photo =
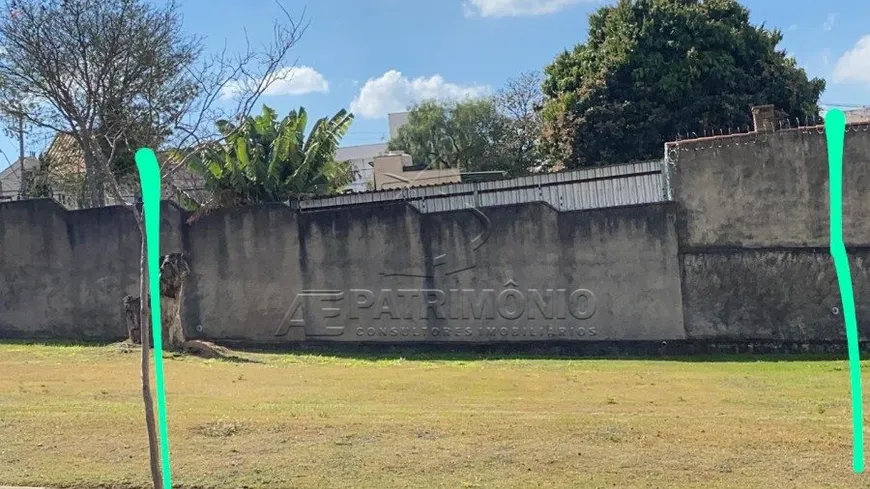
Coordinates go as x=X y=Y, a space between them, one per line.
x=397 y=120
x=362 y=156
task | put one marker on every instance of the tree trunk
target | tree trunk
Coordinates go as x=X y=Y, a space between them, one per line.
x=173 y=272
x=145 y=341
x=94 y=178
x=133 y=315
x=173 y=333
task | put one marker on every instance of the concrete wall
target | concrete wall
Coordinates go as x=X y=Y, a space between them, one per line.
x=753 y=231
x=388 y=273
x=271 y=275
x=740 y=255
x=64 y=273
x=762 y=190
x=770 y=295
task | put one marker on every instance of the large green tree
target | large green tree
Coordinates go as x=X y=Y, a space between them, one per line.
x=264 y=159
x=497 y=133
x=461 y=134
x=653 y=68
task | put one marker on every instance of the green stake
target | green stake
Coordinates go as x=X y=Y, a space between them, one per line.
x=149 y=176
x=835 y=131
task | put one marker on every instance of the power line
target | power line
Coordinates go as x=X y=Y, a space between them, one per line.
x=856 y=106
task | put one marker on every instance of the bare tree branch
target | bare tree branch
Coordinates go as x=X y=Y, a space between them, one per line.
x=250 y=74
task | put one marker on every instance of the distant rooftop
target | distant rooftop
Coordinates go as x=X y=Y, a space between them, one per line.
x=857 y=115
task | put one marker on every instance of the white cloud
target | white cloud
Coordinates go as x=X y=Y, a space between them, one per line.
x=854 y=65
x=394 y=92
x=792 y=28
x=828 y=26
x=296 y=80
x=516 y=8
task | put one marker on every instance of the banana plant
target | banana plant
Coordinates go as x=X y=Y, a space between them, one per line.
x=262 y=159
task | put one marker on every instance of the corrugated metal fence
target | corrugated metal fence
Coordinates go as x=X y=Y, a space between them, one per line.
x=594 y=188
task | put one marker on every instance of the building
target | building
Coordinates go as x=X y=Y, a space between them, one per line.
x=10 y=178
x=856 y=116
x=67 y=177
x=362 y=156
x=395 y=170
x=396 y=121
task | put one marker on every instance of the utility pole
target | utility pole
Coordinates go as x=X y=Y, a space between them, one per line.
x=21 y=189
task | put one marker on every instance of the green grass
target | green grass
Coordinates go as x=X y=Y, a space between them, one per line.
x=71 y=416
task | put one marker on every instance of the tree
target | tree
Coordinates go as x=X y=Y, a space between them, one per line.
x=520 y=101
x=651 y=68
x=263 y=159
x=111 y=74
x=497 y=133
x=117 y=74
x=464 y=135
x=50 y=179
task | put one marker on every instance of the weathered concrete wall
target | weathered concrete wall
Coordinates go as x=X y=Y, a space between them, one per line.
x=64 y=273
x=249 y=265
x=270 y=275
x=388 y=273
x=741 y=255
x=754 y=237
x=763 y=190
x=771 y=295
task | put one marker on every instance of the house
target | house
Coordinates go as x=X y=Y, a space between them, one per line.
x=10 y=177
x=66 y=176
x=68 y=172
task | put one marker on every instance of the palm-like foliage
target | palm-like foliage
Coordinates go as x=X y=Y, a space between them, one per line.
x=266 y=160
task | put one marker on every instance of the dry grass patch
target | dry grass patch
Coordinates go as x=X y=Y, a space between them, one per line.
x=72 y=417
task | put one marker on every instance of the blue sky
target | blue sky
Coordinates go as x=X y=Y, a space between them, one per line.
x=377 y=56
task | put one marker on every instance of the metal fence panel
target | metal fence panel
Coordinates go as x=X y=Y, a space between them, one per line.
x=617 y=185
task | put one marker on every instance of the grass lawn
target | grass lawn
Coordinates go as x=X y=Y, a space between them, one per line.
x=71 y=416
